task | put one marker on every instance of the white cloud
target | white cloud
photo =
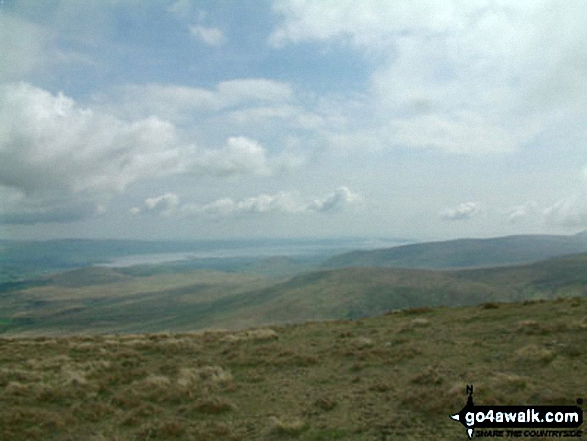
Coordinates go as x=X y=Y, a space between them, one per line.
x=333 y=202
x=569 y=212
x=181 y=103
x=240 y=156
x=238 y=91
x=264 y=203
x=522 y=212
x=462 y=77
x=463 y=211
x=374 y=24
x=278 y=116
x=208 y=35
x=460 y=133
x=47 y=142
x=164 y=204
x=282 y=202
x=56 y=156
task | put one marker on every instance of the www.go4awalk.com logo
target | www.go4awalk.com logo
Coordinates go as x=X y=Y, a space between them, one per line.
x=517 y=421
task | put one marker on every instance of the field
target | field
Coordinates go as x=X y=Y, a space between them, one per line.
x=396 y=376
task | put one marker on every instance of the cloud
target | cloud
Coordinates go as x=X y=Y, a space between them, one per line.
x=522 y=212
x=164 y=204
x=182 y=8
x=462 y=211
x=59 y=157
x=283 y=202
x=264 y=203
x=181 y=103
x=23 y=46
x=333 y=202
x=208 y=35
x=461 y=77
x=459 y=133
x=569 y=212
x=47 y=142
x=240 y=156
x=295 y=117
x=369 y=24
x=18 y=208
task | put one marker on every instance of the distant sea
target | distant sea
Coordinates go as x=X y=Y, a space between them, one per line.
x=261 y=249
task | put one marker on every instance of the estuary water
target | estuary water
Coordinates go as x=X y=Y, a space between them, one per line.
x=236 y=249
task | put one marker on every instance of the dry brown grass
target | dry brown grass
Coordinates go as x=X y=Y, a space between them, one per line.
x=392 y=377
x=534 y=353
x=252 y=335
x=291 y=427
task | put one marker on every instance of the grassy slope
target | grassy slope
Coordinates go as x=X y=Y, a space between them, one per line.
x=195 y=300
x=465 y=253
x=360 y=292
x=396 y=376
x=122 y=303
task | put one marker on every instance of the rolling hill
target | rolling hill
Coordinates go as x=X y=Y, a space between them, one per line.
x=120 y=302
x=364 y=292
x=465 y=253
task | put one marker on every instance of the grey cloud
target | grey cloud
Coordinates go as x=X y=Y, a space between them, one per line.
x=49 y=215
x=23 y=46
x=17 y=208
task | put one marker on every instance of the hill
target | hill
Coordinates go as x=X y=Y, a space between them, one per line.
x=465 y=253
x=365 y=292
x=397 y=376
x=120 y=301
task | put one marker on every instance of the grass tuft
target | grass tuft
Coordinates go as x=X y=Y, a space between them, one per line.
x=294 y=427
x=214 y=405
x=252 y=334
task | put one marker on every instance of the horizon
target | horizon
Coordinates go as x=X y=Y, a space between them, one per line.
x=399 y=240
x=203 y=120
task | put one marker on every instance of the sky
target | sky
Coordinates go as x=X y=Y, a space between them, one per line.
x=292 y=118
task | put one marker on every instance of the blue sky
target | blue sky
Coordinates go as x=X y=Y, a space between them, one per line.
x=292 y=118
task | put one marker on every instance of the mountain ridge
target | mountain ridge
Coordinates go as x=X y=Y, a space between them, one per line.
x=466 y=253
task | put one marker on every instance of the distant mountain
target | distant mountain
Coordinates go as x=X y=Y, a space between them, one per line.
x=465 y=253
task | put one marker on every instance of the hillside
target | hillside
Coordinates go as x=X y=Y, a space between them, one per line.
x=109 y=300
x=397 y=376
x=364 y=292
x=465 y=253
